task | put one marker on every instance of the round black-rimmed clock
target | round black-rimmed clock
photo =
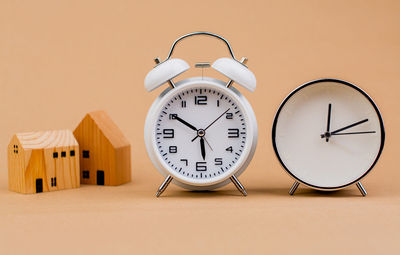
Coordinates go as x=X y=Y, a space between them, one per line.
x=328 y=134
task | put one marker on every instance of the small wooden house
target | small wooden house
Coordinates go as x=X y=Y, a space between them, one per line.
x=105 y=153
x=43 y=161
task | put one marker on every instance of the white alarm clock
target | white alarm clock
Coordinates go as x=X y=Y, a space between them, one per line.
x=200 y=133
x=328 y=134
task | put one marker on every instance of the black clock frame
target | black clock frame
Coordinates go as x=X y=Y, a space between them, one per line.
x=321 y=81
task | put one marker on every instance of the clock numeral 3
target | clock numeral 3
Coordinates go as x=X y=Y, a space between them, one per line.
x=201 y=166
x=218 y=161
x=173 y=149
x=200 y=100
x=168 y=133
x=233 y=133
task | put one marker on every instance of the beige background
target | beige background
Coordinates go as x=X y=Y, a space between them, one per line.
x=61 y=59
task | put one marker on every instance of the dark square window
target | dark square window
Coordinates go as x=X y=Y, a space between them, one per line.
x=55 y=154
x=53 y=182
x=63 y=154
x=85 y=154
x=86 y=174
x=72 y=153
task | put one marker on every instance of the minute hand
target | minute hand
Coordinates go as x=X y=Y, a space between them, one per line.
x=185 y=123
x=349 y=126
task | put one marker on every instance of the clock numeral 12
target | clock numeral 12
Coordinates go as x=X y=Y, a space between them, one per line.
x=200 y=100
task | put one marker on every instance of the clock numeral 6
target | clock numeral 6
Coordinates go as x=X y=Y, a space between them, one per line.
x=168 y=133
x=201 y=166
x=233 y=133
x=229 y=116
x=173 y=149
x=200 y=100
x=218 y=161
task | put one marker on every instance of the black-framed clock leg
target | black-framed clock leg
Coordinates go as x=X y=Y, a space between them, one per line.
x=294 y=188
x=361 y=189
x=164 y=185
x=238 y=185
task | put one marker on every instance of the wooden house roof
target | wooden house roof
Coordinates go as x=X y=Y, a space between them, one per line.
x=109 y=129
x=46 y=139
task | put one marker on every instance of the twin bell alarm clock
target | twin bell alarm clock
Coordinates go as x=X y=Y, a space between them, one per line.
x=200 y=133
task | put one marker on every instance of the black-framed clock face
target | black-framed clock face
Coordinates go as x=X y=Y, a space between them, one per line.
x=328 y=134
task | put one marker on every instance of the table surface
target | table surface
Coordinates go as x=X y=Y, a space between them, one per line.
x=62 y=59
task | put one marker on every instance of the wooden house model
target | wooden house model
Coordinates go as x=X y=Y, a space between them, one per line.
x=43 y=161
x=105 y=153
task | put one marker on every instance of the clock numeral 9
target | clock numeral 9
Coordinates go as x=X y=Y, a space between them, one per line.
x=200 y=100
x=218 y=161
x=229 y=116
x=233 y=133
x=201 y=166
x=173 y=149
x=168 y=133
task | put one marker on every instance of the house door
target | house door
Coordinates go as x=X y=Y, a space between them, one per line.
x=100 y=177
x=39 y=185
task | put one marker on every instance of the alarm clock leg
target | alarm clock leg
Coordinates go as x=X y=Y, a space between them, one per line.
x=164 y=185
x=238 y=185
x=294 y=188
x=361 y=189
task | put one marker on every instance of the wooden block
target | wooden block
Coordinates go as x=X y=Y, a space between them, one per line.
x=105 y=153
x=43 y=161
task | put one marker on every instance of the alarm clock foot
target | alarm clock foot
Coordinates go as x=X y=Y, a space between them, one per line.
x=294 y=188
x=238 y=185
x=164 y=185
x=361 y=189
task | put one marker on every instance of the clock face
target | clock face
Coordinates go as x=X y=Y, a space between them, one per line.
x=201 y=133
x=328 y=134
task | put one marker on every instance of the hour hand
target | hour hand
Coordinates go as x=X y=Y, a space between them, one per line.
x=203 y=149
x=185 y=123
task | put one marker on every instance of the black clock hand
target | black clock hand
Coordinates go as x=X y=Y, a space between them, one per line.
x=355 y=133
x=185 y=123
x=328 y=125
x=203 y=149
x=213 y=122
x=346 y=127
x=216 y=119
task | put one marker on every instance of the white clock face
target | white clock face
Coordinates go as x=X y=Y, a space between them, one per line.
x=201 y=134
x=328 y=134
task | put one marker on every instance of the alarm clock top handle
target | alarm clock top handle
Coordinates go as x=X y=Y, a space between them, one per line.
x=171 y=67
x=196 y=34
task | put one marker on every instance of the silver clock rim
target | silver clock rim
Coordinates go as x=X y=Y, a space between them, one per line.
x=320 y=81
x=243 y=161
